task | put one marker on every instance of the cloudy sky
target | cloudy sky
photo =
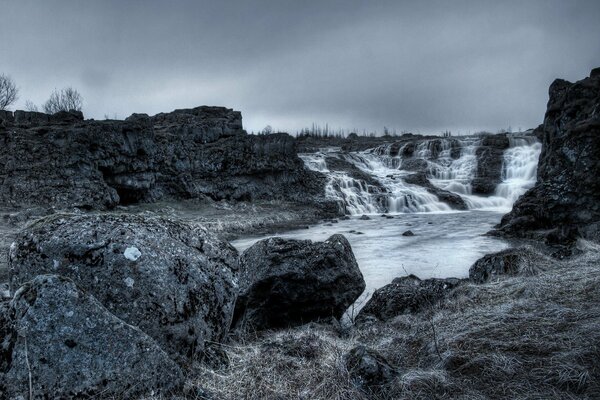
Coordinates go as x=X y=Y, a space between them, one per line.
x=417 y=66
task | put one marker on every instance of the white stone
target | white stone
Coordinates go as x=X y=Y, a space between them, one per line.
x=132 y=253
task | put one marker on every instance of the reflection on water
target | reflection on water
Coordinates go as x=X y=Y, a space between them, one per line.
x=444 y=244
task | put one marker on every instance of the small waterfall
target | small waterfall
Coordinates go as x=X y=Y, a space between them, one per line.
x=519 y=169
x=450 y=165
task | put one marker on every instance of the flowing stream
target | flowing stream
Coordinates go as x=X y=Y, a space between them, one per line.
x=446 y=242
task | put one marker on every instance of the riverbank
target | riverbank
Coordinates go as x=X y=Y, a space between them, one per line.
x=516 y=337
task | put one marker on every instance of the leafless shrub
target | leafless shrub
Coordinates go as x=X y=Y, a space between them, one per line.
x=9 y=93
x=30 y=106
x=64 y=100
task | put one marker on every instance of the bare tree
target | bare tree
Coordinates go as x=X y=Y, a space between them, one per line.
x=30 y=106
x=267 y=130
x=66 y=99
x=8 y=91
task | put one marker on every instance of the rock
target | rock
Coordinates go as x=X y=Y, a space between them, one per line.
x=490 y=156
x=368 y=369
x=452 y=199
x=567 y=192
x=364 y=217
x=290 y=282
x=408 y=294
x=408 y=233
x=175 y=282
x=520 y=261
x=73 y=347
x=61 y=160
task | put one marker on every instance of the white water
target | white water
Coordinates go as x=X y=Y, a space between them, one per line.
x=446 y=242
x=444 y=245
x=452 y=174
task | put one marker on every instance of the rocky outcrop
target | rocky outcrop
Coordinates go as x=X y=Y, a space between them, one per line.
x=65 y=161
x=407 y=294
x=567 y=193
x=490 y=155
x=175 y=282
x=59 y=341
x=290 y=282
x=510 y=262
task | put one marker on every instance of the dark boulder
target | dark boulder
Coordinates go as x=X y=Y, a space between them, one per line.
x=291 y=282
x=65 y=344
x=174 y=281
x=490 y=156
x=520 y=261
x=407 y=294
x=408 y=233
x=368 y=369
x=567 y=192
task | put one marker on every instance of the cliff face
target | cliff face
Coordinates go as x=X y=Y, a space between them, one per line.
x=566 y=199
x=65 y=161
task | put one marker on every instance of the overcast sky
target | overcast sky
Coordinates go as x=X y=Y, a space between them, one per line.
x=418 y=66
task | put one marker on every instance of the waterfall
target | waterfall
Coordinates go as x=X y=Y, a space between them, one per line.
x=519 y=169
x=450 y=164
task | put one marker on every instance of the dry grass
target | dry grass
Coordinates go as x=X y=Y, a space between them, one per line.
x=526 y=337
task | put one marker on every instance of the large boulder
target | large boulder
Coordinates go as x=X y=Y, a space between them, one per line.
x=567 y=192
x=176 y=282
x=519 y=261
x=291 y=282
x=407 y=294
x=452 y=199
x=58 y=341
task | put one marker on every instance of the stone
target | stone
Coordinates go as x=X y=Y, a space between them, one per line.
x=408 y=233
x=174 y=281
x=291 y=282
x=73 y=347
x=510 y=262
x=368 y=369
x=567 y=192
x=64 y=161
x=407 y=294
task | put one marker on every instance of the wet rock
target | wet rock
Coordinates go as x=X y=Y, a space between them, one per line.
x=520 y=261
x=292 y=282
x=452 y=199
x=368 y=369
x=364 y=217
x=175 y=282
x=408 y=233
x=407 y=294
x=490 y=155
x=567 y=192
x=73 y=347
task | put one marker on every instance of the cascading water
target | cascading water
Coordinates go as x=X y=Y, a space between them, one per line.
x=450 y=165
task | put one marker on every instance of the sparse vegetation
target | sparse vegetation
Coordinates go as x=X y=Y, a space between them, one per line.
x=67 y=99
x=9 y=93
x=519 y=337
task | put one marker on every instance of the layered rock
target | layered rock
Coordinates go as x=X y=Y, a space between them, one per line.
x=65 y=161
x=567 y=192
x=291 y=282
x=407 y=294
x=57 y=340
x=175 y=282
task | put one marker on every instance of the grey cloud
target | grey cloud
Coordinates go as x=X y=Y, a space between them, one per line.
x=420 y=66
